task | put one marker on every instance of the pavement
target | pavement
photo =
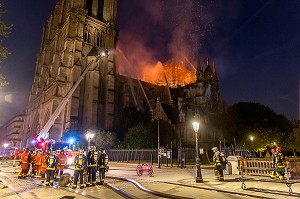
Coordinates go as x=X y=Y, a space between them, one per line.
x=174 y=180
x=255 y=186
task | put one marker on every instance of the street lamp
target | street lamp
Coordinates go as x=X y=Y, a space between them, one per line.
x=89 y=136
x=198 y=169
x=252 y=138
x=5 y=145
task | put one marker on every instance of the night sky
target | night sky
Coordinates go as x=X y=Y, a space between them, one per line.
x=254 y=44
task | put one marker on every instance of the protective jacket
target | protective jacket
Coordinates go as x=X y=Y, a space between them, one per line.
x=24 y=160
x=80 y=162
x=103 y=160
x=51 y=162
x=62 y=159
x=92 y=158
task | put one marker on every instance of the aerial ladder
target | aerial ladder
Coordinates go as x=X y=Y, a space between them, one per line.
x=42 y=137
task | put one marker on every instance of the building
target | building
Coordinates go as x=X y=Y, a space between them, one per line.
x=73 y=28
x=176 y=104
x=74 y=35
x=11 y=132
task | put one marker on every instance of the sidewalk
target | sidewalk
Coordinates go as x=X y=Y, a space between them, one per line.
x=258 y=186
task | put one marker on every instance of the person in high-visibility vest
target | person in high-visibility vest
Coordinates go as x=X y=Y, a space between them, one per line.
x=279 y=162
x=80 y=166
x=92 y=159
x=28 y=162
x=218 y=159
x=33 y=163
x=38 y=163
x=16 y=155
x=102 y=165
x=24 y=163
x=44 y=165
x=51 y=162
x=62 y=159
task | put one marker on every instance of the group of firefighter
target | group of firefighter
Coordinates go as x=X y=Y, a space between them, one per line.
x=49 y=165
x=277 y=158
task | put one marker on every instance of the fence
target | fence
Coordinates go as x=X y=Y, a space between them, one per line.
x=132 y=155
x=184 y=156
x=236 y=151
x=256 y=164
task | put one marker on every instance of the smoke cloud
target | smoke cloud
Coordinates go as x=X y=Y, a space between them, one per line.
x=156 y=31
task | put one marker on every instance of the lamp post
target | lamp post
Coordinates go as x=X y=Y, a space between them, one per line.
x=89 y=136
x=198 y=169
x=252 y=138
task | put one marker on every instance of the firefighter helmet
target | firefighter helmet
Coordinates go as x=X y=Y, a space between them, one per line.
x=278 y=148
x=81 y=151
x=102 y=151
x=214 y=149
x=92 y=148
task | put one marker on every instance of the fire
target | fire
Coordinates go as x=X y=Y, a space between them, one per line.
x=174 y=73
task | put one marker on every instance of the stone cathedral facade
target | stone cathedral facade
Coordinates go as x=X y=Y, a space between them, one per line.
x=73 y=36
x=73 y=28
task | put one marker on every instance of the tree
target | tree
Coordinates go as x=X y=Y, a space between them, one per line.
x=138 y=136
x=127 y=119
x=104 y=139
x=4 y=32
x=253 y=119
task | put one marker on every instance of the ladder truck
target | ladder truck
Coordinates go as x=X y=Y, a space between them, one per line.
x=41 y=140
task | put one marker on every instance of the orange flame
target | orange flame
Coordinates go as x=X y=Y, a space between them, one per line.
x=172 y=74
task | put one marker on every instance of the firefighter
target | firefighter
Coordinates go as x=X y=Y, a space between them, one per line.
x=273 y=160
x=29 y=162
x=16 y=154
x=62 y=159
x=102 y=165
x=92 y=159
x=23 y=163
x=218 y=159
x=80 y=166
x=33 y=163
x=279 y=162
x=38 y=162
x=44 y=165
x=51 y=162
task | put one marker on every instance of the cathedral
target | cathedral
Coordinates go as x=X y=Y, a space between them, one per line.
x=81 y=35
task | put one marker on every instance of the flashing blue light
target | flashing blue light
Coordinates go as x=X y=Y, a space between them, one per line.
x=33 y=141
x=71 y=141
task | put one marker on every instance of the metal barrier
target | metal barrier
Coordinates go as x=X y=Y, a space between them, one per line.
x=287 y=181
x=252 y=167
x=132 y=155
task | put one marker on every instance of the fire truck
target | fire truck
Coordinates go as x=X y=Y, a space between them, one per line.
x=41 y=140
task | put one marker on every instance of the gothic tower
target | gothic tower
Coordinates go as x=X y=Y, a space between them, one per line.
x=74 y=29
